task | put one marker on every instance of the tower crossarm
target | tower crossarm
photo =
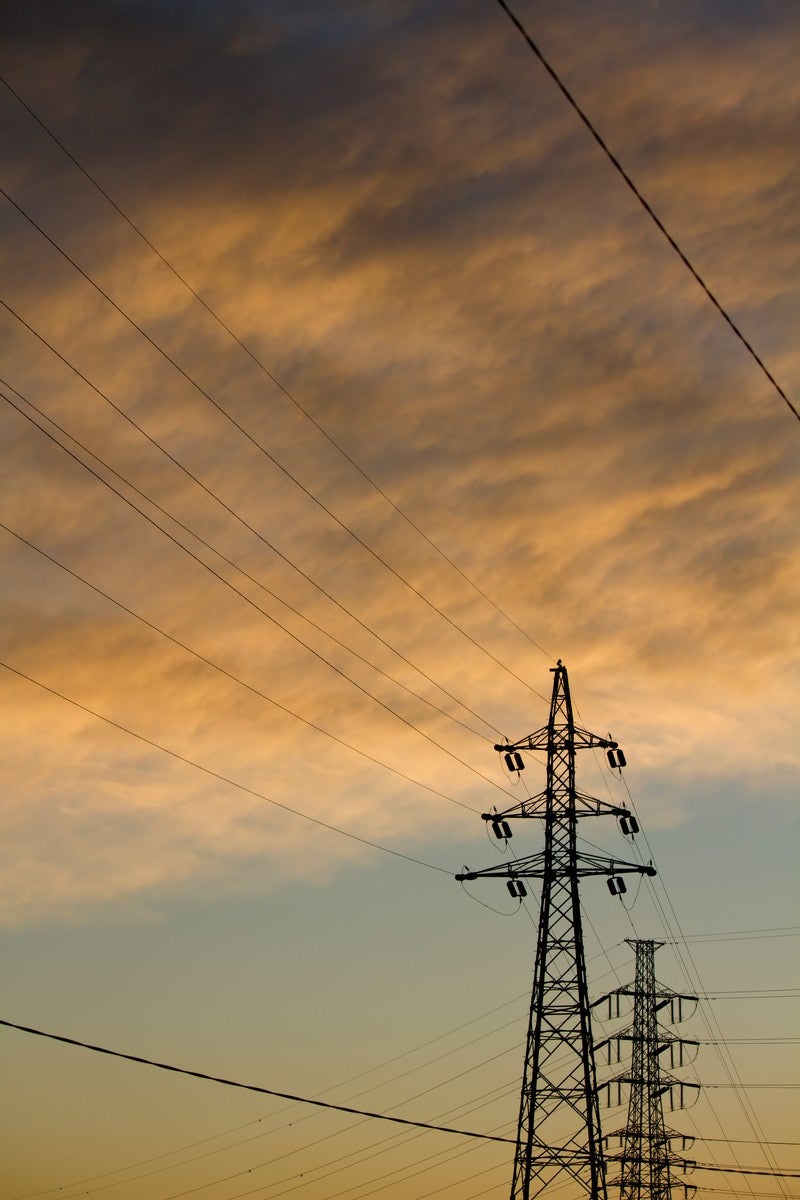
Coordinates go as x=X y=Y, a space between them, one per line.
x=676 y=1090
x=537 y=866
x=659 y=997
x=537 y=806
x=672 y=1051
x=540 y=740
x=667 y=1137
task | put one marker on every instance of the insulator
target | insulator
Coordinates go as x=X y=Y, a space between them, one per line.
x=610 y=1093
x=513 y=760
x=616 y=885
x=612 y=758
x=680 y=1054
x=497 y=830
x=517 y=888
x=506 y=828
x=518 y=761
x=629 y=825
x=621 y=759
x=634 y=824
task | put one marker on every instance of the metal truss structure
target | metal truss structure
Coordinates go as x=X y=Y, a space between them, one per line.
x=558 y=1132
x=648 y=1162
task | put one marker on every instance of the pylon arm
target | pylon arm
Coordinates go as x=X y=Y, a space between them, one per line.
x=678 y=1093
x=533 y=867
x=661 y=996
x=676 y=1052
x=539 y=740
x=536 y=806
x=685 y=1140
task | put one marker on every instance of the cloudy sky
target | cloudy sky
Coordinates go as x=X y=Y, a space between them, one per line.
x=282 y=563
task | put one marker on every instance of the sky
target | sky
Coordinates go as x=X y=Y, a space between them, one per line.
x=281 y=565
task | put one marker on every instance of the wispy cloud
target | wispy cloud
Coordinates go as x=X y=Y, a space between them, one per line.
x=410 y=228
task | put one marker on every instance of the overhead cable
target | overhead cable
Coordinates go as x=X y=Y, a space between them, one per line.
x=746 y=1171
x=140 y=737
x=692 y=976
x=146 y=1162
x=250 y=1087
x=223 y=670
x=248 y=600
x=258 y=445
x=217 y=499
x=246 y=574
x=266 y=371
x=646 y=204
x=470 y=1106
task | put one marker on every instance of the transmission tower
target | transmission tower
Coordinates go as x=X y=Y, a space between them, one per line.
x=648 y=1161
x=558 y=1131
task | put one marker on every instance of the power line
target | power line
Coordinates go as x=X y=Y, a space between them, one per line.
x=750 y=993
x=727 y=1192
x=746 y=1141
x=677 y=942
x=759 y=1041
x=350 y=1155
x=742 y=935
x=223 y=670
x=263 y=449
x=217 y=775
x=421 y=1165
x=63 y=1188
x=251 y=529
x=684 y=956
x=645 y=204
x=248 y=600
x=249 y=1087
x=245 y=574
x=266 y=371
x=746 y=1171
x=748 y=1087
x=721 y=933
x=469 y=1106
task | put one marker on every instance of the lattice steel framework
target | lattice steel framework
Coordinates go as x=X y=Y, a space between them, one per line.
x=648 y=1163
x=558 y=1132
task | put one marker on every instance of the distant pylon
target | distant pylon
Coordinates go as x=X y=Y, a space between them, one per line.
x=648 y=1162
x=558 y=1131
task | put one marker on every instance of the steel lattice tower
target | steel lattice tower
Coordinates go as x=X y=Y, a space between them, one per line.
x=647 y=1161
x=558 y=1131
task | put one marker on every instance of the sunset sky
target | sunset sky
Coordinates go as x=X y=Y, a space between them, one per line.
x=257 y=600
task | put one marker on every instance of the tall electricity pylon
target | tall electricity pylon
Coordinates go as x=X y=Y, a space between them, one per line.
x=648 y=1161
x=558 y=1131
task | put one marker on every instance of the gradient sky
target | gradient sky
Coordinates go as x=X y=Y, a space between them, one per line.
x=392 y=205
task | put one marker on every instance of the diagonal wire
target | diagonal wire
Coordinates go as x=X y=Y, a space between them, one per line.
x=190 y=762
x=267 y=453
x=222 y=670
x=258 y=608
x=241 y=571
x=248 y=1087
x=227 y=508
x=646 y=204
x=265 y=369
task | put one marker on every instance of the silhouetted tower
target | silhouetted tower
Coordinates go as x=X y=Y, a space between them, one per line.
x=558 y=1132
x=648 y=1162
